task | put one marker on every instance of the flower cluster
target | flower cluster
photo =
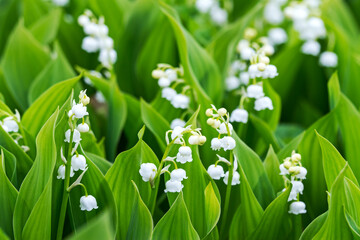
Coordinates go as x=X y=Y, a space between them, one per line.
x=60 y=3
x=97 y=38
x=75 y=161
x=292 y=168
x=219 y=119
x=149 y=172
x=306 y=21
x=217 y=15
x=254 y=64
x=169 y=78
x=10 y=124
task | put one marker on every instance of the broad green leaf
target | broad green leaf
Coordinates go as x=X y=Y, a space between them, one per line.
x=23 y=52
x=176 y=223
x=38 y=113
x=265 y=132
x=98 y=228
x=33 y=10
x=352 y=206
x=198 y=64
x=335 y=226
x=254 y=171
x=249 y=213
x=271 y=165
x=155 y=122
x=8 y=195
x=355 y=229
x=35 y=191
x=3 y=235
x=141 y=223
x=103 y=164
x=133 y=122
x=124 y=170
x=275 y=223
x=23 y=161
x=333 y=162
x=46 y=28
x=311 y=230
x=9 y=15
x=212 y=209
x=9 y=165
x=55 y=71
x=117 y=113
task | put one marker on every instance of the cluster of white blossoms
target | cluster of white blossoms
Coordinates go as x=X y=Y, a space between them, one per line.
x=169 y=78
x=76 y=161
x=249 y=70
x=10 y=124
x=217 y=15
x=219 y=119
x=305 y=17
x=149 y=172
x=97 y=39
x=293 y=172
x=60 y=3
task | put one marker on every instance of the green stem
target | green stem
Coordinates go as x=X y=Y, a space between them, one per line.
x=227 y=196
x=65 y=192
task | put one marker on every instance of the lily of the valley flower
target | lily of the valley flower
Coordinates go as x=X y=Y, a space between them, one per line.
x=88 y=203
x=239 y=115
x=148 y=171
x=215 y=172
x=83 y=127
x=79 y=110
x=184 y=155
x=180 y=101
x=61 y=172
x=228 y=143
x=235 y=178
x=9 y=124
x=328 y=59
x=263 y=103
x=76 y=136
x=297 y=208
x=255 y=91
x=178 y=174
x=173 y=186
x=216 y=144
x=177 y=122
x=78 y=162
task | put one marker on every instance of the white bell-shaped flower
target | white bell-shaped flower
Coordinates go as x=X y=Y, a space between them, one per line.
x=147 y=171
x=218 y=15
x=263 y=103
x=228 y=143
x=60 y=3
x=302 y=173
x=78 y=162
x=83 y=20
x=91 y=28
x=224 y=130
x=246 y=53
x=177 y=122
x=180 y=101
x=235 y=178
x=328 y=59
x=204 y=6
x=297 y=208
x=107 y=57
x=273 y=13
x=83 y=127
x=168 y=93
x=88 y=203
x=164 y=82
x=238 y=65
x=171 y=74
x=184 y=155
x=9 y=125
x=106 y=43
x=297 y=187
x=90 y=44
x=255 y=91
x=254 y=71
x=232 y=83
x=76 y=136
x=239 y=115
x=283 y=170
x=311 y=47
x=244 y=78
x=277 y=36
x=270 y=71
x=79 y=110
x=61 y=172
x=215 y=172
x=178 y=174
x=177 y=133
x=173 y=186
x=216 y=144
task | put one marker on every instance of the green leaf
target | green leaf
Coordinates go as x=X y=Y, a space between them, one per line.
x=352 y=206
x=125 y=170
x=275 y=223
x=9 y=15
x=8 y=195
x=55 y=71
x=271 y=165
x=141 y=223
x=46 y=28
x=32 y=214
x=254 y=171
x=335 y=226
x=23 y=52
x=333 y=162
x=117 y=113
x=311 y=230
x=249 y=213
x=176 y=223
x=38 y=113
x=98 y=228
x=155 y=122
x=103 y=164
x=9 y=165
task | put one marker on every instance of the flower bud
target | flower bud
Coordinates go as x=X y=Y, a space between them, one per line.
x=202 y=140
x=222 y=111
x=250 y=33
x=209 y=112
x=261 y=66
x=265 y=60
x=287 y=164
x=216 y=124
x=157 y=74
x=194 y=140
x=294 y=170
x=210 y=121
x=88 y=203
